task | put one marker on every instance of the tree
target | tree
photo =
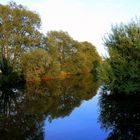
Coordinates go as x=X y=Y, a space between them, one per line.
x=92 y=58
x=20 y=39
x=19 y=31
x=124 y=58
x=35 y=64
x=59 y=45
x=70 y=56
x=83 y=58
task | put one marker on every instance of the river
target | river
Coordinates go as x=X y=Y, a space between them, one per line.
x=70 y=109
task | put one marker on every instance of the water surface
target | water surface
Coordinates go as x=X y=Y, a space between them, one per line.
x=69 y=109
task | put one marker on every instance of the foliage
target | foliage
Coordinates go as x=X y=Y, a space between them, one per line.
x=70 y=56
x=8 y=76
x=121 y=71
x=59 y=45
x=35 y=64
x=25 y=51
x=18 y=33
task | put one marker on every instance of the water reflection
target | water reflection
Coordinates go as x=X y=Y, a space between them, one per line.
x=22 y=112
x=120 y=116
x=8 y=101
x=15 y=123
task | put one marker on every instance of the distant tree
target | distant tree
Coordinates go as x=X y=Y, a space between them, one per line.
x=83 y=57
x=92 y=58
x=59 y=46
x=122 y=68
x=71 y=56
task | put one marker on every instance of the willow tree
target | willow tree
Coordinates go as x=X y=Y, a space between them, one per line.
x=123 y=65
x=19 y=31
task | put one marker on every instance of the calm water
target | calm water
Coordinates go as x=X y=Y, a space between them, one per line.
x=69 y=109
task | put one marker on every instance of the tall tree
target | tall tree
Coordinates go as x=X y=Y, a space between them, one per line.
x=19 y=31
x=71 y=56
x=124 y=62
x=59 y=46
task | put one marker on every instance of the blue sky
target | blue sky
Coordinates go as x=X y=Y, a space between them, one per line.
x=84 y=20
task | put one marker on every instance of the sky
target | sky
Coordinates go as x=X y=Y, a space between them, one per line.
x=84 y=20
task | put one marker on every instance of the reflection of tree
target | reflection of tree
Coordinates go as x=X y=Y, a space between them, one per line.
x=15 y=123
x=120 y=115
x=62 y=96
x=9 y=98
x=52 y=99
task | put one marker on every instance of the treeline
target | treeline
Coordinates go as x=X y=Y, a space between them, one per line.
x=26 y=53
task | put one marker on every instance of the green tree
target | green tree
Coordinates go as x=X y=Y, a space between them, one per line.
x=35 y=64
x=19 y=32
x=92 y=58
x=59 y=46
x=83 y=58
x=69 y=55
x=123 y=72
